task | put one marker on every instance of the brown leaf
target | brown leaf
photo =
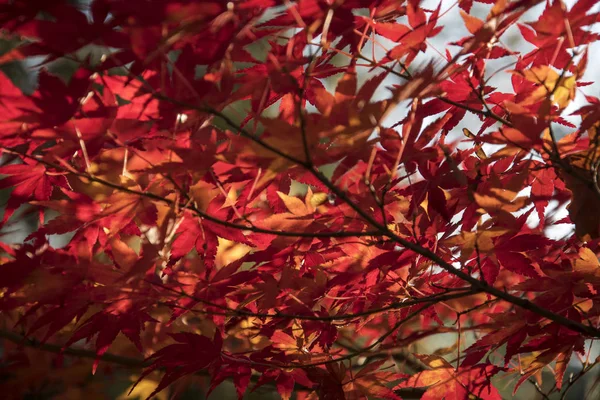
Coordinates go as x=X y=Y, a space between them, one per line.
x=583 y=210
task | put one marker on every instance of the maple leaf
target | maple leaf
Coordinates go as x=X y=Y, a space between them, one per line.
x=284 y=381
x=30 y=182
x=467 y=4
x=373 y=381
x=241 y=378
x=107 y=325
x=543 y=32
x=190 y=354
x=444 y=382
x=549 y=82
x=123 y=208
x=412 y=39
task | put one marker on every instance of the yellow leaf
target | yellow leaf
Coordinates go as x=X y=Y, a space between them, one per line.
x=587 y=261
x=284 y=341
x=293 y=204
x=446 y=350
x=565 y=92
x=467 y=240
x=231 y=198
x=229 y=251
x=203 y=193
x=480 y=153
x=433 y=361
x=317 y=199
x=550 y=82
x=541 y=74
x=124 y=255
x=283 y=222
x=144 y=389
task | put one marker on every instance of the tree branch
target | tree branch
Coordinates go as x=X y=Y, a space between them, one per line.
x=385 y=231
x=128 y=362
x=194 y=209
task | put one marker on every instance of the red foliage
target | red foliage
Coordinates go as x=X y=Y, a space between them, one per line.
x=232 y=214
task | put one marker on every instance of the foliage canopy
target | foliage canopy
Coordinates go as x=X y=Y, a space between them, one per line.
x=229 y=212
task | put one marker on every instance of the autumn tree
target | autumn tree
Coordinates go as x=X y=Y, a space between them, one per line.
x=301 y=197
